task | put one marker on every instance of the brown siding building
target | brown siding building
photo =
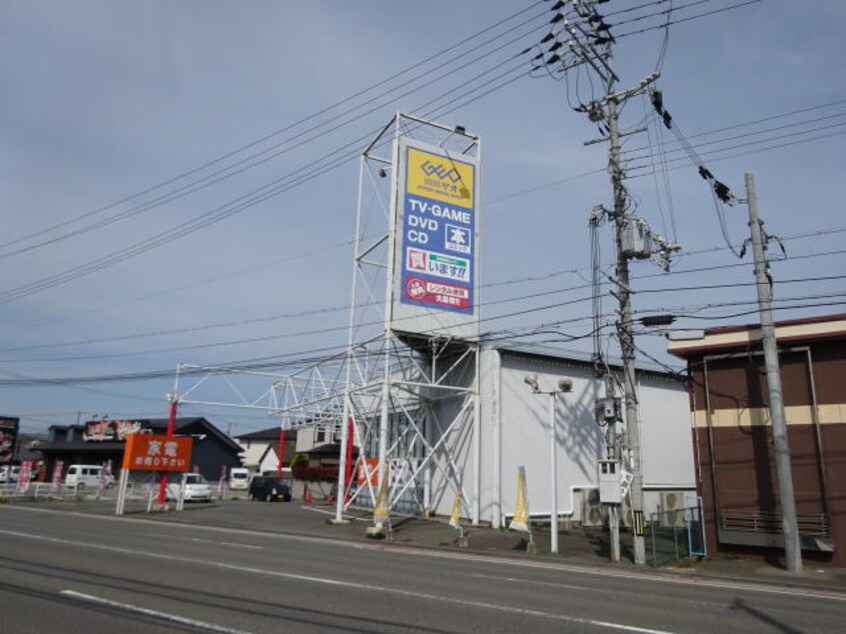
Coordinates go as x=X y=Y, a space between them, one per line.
x=733 y=449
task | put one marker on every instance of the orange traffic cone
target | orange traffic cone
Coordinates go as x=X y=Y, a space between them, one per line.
x=307 y=497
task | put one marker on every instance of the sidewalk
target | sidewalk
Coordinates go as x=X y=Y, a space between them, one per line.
x=577 y=546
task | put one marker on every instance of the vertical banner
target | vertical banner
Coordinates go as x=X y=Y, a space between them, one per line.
x=455 y=516
x=57 y=474
x=436 y=262
x=221 y=484
x=382 y=509
x=520 y=521
x=24 y=477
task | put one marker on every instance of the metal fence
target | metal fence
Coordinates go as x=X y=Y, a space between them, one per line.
x=139 y=489
x=674 y=535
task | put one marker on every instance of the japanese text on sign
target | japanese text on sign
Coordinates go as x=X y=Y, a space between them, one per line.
x=438 y=232
x=157 y=453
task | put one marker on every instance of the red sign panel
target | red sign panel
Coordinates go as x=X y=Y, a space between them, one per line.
x=368 y=471
x=145 y=452
x=439 y=293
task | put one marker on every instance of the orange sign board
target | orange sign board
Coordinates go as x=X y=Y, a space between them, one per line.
x=368 y=470
x=145 y=452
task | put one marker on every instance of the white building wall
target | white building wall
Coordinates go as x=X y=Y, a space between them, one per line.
x=667 y=444
x=526 y=438
x=515 y=432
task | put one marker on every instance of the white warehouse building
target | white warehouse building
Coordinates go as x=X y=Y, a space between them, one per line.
x=514 y=432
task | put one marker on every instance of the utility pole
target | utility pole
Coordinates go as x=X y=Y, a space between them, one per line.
x=612 y=450
x=790 y=526
x=624 y=328
x=580 y=37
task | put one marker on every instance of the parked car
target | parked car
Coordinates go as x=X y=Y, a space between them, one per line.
x=269 y=489
x=197 y=488
x=239 y=479
x=81 y=476
x=9 y=473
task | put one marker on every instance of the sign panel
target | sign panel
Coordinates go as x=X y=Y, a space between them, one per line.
x=8 y=437
x=368 y=471
x=436 y=257
x=146 y=452
x=110 y=430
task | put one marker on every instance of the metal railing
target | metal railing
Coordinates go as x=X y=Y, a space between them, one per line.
x=674 y=535
x=816 y=524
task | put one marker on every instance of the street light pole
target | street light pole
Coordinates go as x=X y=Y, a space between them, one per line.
x=564 y=385
x=553 y=461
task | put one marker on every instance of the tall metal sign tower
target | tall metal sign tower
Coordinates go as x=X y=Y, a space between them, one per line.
x=403 y=399
x=411 y=398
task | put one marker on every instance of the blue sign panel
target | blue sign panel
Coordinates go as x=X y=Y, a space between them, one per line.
x=438 y=243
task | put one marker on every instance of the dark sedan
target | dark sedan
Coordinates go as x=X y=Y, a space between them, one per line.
x=269 y=489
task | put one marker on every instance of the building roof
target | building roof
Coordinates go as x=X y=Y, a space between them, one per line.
x=157 y=425
x=271 y=433
x=576 y=357
x=749 y=335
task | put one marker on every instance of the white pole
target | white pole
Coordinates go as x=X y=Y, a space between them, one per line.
x=496 y=437
x=553 y=514
x=477 y=444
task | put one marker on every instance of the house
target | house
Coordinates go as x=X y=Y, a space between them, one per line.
x=735 y=467
x=261 y=449
x=98 y=442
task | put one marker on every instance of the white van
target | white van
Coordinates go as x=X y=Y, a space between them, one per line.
x=9 y=473
x=82 y=476
x=239 y=479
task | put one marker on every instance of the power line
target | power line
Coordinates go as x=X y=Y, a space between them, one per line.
x=687 y=19
x=450 y=50
x=278 y=186
x=301 y=361
x=331 y=309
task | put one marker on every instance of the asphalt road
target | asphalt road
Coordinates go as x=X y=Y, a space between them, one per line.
x=67 y=572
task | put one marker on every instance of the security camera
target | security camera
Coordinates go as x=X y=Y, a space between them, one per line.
x=532 y=381
x=565 y=384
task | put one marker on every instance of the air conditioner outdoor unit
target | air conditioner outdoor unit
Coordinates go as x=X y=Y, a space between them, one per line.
x=672 y=508
x=591 y=508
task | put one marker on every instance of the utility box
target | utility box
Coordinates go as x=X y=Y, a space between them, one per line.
x=605 y=409
x=636 y=239
x=610 y=491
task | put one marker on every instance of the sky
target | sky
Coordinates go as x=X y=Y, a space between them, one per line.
x=123 y=122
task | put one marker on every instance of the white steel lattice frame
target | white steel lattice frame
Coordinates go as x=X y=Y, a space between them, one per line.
x=404 y=375
x=385 y=374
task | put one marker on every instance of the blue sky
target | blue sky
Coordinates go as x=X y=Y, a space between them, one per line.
x=106 y=99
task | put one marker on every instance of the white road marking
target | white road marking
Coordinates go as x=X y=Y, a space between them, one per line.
x=232 y=544
x=164 y=616
x=349 y=518
x=382 y=590
x=751 y=586
x=491 y=559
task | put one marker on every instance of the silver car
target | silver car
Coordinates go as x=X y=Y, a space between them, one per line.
x=197 y=489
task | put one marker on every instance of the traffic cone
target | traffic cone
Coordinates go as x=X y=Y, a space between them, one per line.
x=307 y=497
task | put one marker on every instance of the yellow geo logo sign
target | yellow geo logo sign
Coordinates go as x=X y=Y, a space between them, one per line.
x=439 y=177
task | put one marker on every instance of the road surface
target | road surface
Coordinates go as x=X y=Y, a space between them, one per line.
x=69 y=572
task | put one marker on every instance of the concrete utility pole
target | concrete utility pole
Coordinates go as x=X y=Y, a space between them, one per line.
x=612 y=450
x=624 y=329
x=790 y=526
